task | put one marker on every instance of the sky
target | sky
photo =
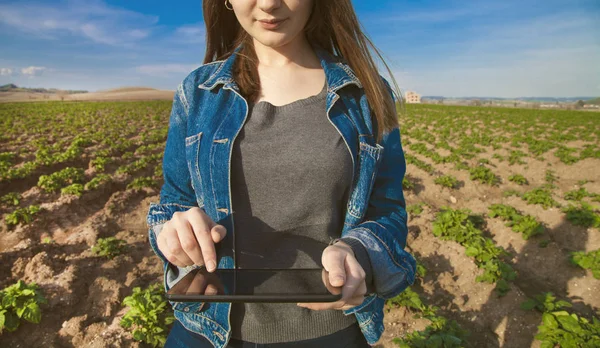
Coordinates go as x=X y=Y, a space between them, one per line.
x=450 y=48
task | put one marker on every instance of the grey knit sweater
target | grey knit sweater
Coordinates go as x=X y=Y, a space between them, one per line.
x=290 y=179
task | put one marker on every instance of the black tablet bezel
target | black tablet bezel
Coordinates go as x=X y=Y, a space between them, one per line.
x=280 y=298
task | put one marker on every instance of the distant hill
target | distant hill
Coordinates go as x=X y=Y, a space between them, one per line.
x=127 y=89
x=595 y=101
x=527 y=99
x=11 y=87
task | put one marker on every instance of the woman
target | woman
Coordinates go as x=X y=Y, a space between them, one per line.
x=276 y=129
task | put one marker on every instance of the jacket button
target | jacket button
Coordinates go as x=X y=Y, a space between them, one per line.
x=186 y=309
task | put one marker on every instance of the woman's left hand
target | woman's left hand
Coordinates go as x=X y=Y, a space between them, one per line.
x=342 y=272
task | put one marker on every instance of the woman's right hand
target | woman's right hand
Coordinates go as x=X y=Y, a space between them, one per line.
x=189 y=238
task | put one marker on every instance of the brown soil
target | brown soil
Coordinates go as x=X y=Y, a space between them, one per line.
x=85 y=291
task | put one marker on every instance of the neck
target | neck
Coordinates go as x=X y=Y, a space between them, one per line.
x=296 y=52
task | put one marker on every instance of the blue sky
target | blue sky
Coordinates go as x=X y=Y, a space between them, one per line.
x=450 y=48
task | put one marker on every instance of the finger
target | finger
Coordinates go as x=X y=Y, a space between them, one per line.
x=353 y=280
x=164 y=247
x=198 y=285
x=174 y=241
x=319 y=306
x=207 y=246
x=336 y=290
x=355 y=301
x=218 y=233
x=211 y=289
x=189 y=243
x=333 y=262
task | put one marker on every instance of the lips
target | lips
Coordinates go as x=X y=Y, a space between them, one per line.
x=271 y=24
x=270 y=21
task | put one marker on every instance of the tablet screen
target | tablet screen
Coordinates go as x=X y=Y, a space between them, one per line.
x=244 y=282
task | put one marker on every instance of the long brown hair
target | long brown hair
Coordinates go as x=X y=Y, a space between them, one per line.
x=332 y=25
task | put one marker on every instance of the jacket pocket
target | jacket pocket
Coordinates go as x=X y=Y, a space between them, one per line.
x=192 y=155
x=368 y=162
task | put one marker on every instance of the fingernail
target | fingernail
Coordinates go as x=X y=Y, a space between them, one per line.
x=210 y=266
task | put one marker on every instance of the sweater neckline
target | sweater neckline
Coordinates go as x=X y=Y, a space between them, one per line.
x=300 y=102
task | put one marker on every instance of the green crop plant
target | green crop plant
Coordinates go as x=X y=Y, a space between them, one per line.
x=461 y=166
x=577 y=195
x=407 y=184
x=22 y=215
x=148 y=315
x=441 y=332
x=590 y=151
x=560 y=328
x=414 y=209
x=564 y=154
x=109 y=247
x=410 y=159
x=511 y=192
x=458 y=226
x=584 y=215
x=541 y=196
x=159 y=173
x=483 y=174
x=498 y=156
x=73 y=189
x=525 y=224
x=551 y=178
x=53 y=182
x=97 y=181
x=410 y=299
x=20 y=301
x=11 y=198
x=518 y=179
x=447 y=181
x=99 y=163
x=515 y=157
x=545 y=302
x=142 y=182
x=589 y=261
x=127 y=155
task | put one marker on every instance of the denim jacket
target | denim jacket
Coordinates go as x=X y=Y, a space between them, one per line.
x=207 y=114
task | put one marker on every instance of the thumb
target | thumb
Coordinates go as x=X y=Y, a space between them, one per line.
x=217 y=233
x=334 y=264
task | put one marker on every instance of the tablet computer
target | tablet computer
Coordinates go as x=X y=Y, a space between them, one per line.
x=255 y=285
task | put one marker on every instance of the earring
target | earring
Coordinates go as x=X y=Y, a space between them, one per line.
x=230 y=9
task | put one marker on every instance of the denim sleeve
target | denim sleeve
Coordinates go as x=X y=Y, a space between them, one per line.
x=177 y=193
x=384 y=230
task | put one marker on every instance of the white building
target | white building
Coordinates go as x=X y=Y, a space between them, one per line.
x=412 y=97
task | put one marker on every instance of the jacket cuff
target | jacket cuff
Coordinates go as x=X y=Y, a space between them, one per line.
x=159 y=213
x=361 y=255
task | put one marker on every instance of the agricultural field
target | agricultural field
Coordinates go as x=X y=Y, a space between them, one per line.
x=503 y=207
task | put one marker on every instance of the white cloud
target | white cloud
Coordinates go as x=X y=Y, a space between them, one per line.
x=92 y=19
x=540 y=55
x=33 y=71
x=6 y=72
x=191 y=33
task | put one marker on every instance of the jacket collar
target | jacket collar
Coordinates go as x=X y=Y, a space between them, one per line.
x=337 y=72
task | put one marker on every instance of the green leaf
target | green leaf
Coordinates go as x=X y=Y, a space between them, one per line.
x=548 y=320
x=33 y=313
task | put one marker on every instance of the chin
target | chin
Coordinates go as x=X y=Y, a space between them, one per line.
x=272 y=40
